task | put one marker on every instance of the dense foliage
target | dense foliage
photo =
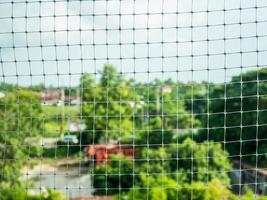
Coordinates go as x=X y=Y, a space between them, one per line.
x=159 y=117
x=176 y=160
x=18 y=192
x=230 y=114
x=238 y=116
x=106 y=106
x=21 y=117
x=164 y=188
x=146 y=113
x=20 y=127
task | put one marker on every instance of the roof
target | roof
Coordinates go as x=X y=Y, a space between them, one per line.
x=92 y=149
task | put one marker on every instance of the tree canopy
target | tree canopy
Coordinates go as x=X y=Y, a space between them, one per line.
x=106 y=106
x=237 y=116
x=21 y=117
x=115 y=108
x=206 y=161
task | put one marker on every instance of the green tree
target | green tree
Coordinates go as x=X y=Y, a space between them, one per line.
x=194 y=95
x=199 y=162
x=237 y=112
x=37 y=88
x=113 y=178
x=7 y=87
x=153 y=161
x=180 y=164
x=154 y=134
x=164 y=112
x=163 y=187
x=20 y=118
x=107 y=106
x=18 y=192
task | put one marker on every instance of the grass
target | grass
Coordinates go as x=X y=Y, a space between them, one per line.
x=53 y=118
x=56 y=111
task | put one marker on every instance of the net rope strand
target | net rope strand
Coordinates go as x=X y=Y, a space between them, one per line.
x=193 y=69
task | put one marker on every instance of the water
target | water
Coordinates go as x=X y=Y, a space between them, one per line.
x=73 y=181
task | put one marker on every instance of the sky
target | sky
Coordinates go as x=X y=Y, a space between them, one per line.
x=55 y=41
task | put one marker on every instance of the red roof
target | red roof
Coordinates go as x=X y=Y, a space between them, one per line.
x=92 y=149
x=108 y=148
x=101 y=152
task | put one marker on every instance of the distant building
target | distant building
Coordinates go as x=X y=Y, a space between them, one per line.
x=51 y=97
x=101 y=152
x=57 y=97
x=166 y=89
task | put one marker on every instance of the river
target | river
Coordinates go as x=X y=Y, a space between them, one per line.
x=73 y=180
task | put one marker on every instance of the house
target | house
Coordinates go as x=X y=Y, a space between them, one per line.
x=166 y=89
x=58 y=97
x=101 y=152
x=51 y=97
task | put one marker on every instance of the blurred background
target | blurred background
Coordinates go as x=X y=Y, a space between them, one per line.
x=133 y=99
